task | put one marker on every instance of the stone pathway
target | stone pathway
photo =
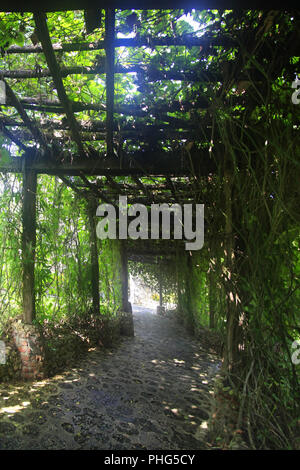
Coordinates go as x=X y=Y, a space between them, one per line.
x=150 y=392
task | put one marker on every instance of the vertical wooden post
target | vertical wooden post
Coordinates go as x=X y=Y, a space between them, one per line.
x=124 y=276
x=160 y=291
x=212 y=298
x=178 y=277
x=189 y=292
x=110 y=81
x=29 y=243
x=92 y=206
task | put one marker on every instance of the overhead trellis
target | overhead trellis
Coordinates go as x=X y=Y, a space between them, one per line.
x=140 y=103
x=147 y=132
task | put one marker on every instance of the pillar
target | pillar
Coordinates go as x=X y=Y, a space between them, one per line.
x=92 y=206
x=29 y=243
x=124 y=276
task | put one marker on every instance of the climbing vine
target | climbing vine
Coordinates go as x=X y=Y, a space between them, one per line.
x=225 y=109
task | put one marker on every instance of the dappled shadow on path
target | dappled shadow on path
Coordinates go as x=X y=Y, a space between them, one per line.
x=149 y=392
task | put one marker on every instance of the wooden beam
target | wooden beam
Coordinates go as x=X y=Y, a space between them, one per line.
x=29 y=243
x=58 y=5
x=124 y=275
x=136 y=164
x=110 y=78
x=168 y=125
x=202 y=102
x=43 y=34
x=151 y=42
x=92 y=206
x=150 y=75
x=12 y=136
x=160 y=289
x=98 y=125
x=37 y=134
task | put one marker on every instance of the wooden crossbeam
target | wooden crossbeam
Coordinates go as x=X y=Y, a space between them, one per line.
x=151 y=42
x=43 y=33
x=169 y=164
x=39 y=104
x=103 y=194
x=94 y=126
x=58 y=5
x=151 y=75
x=133 y=135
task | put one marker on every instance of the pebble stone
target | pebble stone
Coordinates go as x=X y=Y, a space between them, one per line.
x=148 y=392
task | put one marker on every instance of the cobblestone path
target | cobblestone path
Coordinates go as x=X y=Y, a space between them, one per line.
x=149 y=392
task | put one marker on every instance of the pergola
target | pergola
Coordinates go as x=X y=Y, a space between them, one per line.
x=170 y=174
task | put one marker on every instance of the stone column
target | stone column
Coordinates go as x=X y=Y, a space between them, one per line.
x=160 y=309
x=28 y=341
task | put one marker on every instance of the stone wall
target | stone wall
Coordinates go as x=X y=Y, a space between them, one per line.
x=28 y=342
x=39 y=351
x=11 y=366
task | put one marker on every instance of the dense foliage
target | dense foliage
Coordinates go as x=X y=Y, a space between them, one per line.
x=63 y=267
x=224 y=104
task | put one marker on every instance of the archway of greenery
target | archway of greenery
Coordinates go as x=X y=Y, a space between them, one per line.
x=180 y=106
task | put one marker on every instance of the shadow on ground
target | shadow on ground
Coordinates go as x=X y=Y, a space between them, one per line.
x=149 y=392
